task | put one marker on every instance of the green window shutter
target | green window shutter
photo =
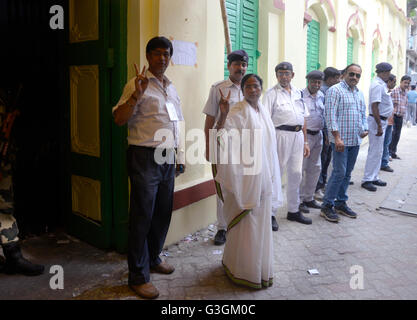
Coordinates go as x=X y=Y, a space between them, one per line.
x=249 y=32
x=349 y=51
x=243 y=27
x=233 y=16
x=313 y=46
x=373 y=65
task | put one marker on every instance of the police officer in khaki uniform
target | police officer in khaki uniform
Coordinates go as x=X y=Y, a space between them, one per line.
x=288 y=113
x=237 y=65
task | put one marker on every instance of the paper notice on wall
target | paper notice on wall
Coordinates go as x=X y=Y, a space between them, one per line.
x=185 y=53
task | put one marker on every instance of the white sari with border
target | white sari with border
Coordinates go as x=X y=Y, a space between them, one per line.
x=250 y=191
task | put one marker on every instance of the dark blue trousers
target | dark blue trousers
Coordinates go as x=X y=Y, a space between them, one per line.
x=151 y=201
x=326 y=158
x=396 y=134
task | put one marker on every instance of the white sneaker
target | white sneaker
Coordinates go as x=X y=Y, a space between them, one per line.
x=408 y=124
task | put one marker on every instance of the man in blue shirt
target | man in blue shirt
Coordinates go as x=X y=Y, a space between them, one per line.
x=411 y=111
x=392 y=81
x=345 y=113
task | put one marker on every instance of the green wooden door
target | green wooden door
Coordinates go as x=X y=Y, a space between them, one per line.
x=95 y=35
x=313 y=46
x=349 y=50
x=243 y=28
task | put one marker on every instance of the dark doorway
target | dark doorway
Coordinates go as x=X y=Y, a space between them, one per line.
x=32 y=54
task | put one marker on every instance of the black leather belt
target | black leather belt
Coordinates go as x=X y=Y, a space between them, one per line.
x=313 y=133
x=290 y=128
x=380 y=117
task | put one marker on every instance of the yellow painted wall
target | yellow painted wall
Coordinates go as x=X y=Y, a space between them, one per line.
x=197 y=21
x=282 y=37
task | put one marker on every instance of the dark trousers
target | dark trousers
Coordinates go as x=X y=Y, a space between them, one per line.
x=151 y=201
x=396 y=134
x=326 y=158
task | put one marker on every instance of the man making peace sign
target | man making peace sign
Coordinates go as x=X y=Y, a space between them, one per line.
x=150 y=105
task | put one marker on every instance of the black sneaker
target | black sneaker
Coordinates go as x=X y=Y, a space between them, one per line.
x=394 y=156
x=298 y=216
x=346 y=211
x=369 y=186
x=274 y=224
x=220 y=237
x=387 y=169
x=303 y=208
x=328 y=213
x=379 y=183
x=312 y=204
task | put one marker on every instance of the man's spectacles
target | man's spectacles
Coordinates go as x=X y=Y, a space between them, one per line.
x=284 y=74
x=353 y=74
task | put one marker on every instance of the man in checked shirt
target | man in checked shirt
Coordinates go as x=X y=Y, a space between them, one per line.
x=345 y=113
x=399 y=98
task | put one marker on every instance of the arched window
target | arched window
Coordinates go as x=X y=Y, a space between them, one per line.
x=320 y=18
x=355 y=38
x=377 y=40
x=375 y=57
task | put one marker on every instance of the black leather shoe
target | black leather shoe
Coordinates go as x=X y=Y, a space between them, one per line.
x=303 y=208
x=394 y=156
x=369 y=186
x=16 y=263
x=312 y=204
x=351 y=183
x=387 y=169
x=298 y=216
x=274 y=224
x=220 y=237
x=379 y=183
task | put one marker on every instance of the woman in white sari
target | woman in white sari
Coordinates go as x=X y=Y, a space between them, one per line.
x=251 y=181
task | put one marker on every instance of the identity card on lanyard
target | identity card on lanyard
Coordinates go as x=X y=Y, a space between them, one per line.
x=173 y=116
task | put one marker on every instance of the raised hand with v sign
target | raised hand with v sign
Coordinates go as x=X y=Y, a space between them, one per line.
x=224 y=103
x=141 y=82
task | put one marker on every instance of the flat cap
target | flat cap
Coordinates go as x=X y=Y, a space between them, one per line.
x=383 y=67
x=238 y=55
x=315 y=75
x=284 y=66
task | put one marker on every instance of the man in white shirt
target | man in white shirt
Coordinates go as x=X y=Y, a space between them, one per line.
x=380 y=109
x=237 y=66
x=288 y=113
x=313 y=98
x=151 y=108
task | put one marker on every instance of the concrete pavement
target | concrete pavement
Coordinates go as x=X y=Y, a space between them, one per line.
x=380 y=247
